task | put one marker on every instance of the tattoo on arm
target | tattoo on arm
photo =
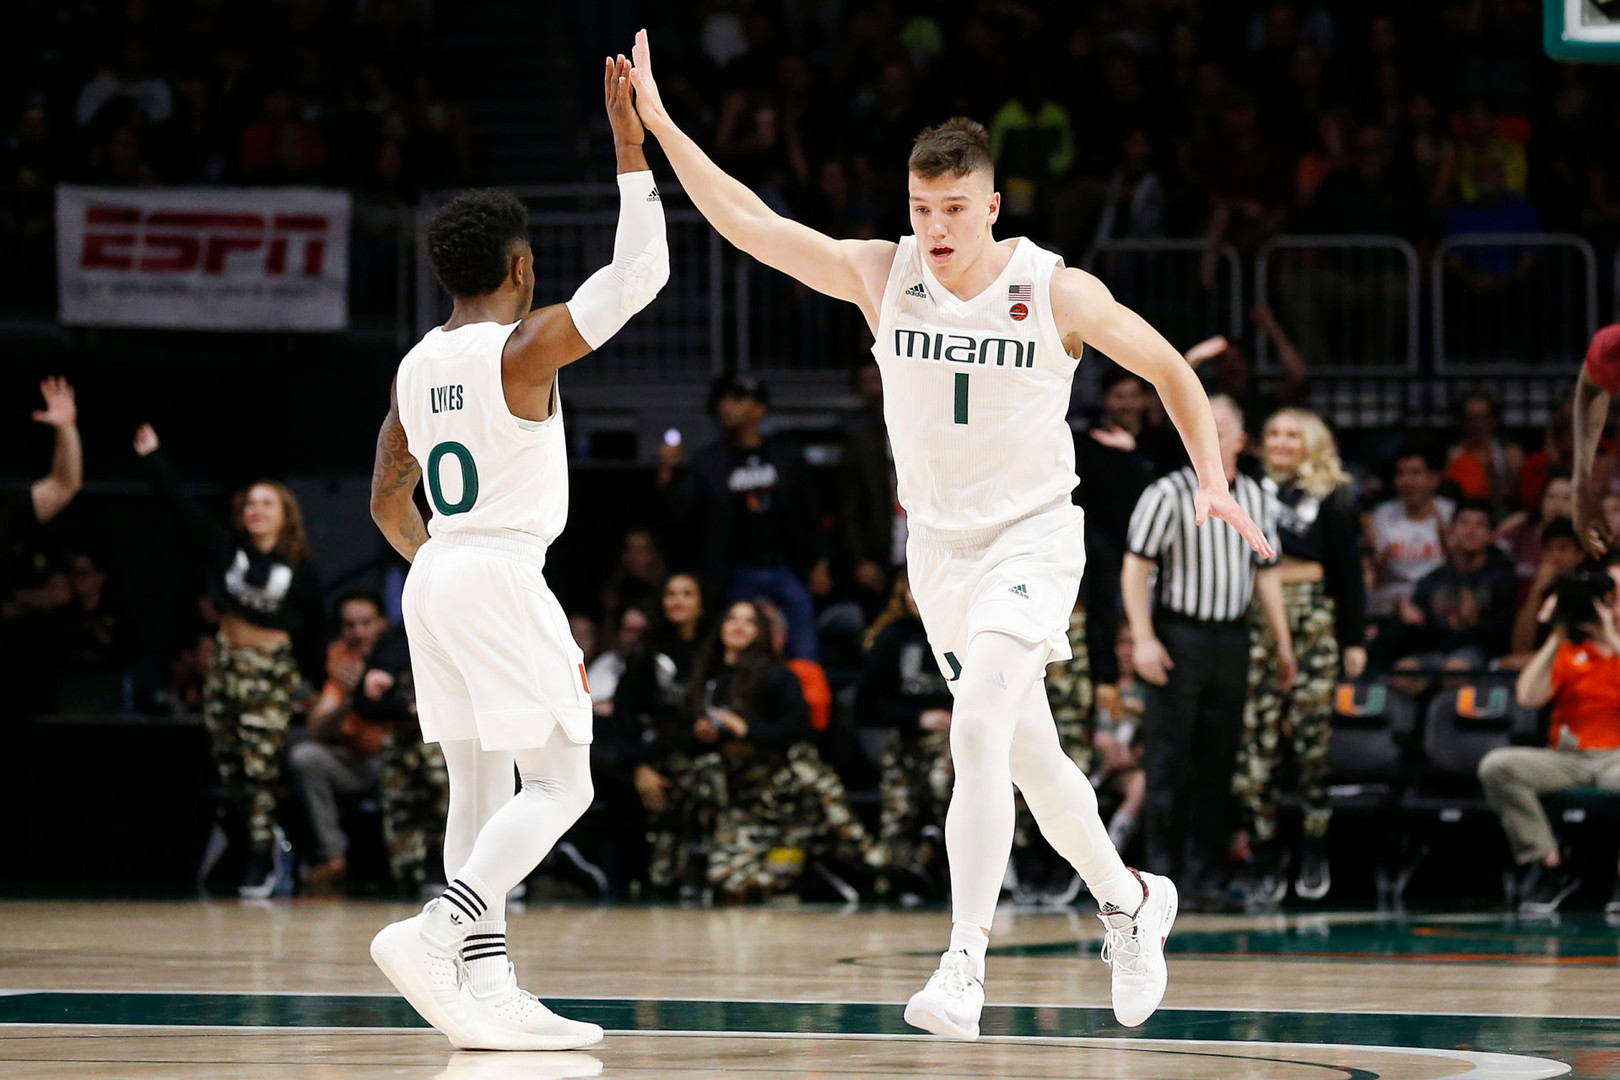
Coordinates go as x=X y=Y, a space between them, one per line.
x=393 y=480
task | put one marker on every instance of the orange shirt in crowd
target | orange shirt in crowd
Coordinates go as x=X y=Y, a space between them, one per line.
x=363 y=738
x=1586 y=685
x=817 y=691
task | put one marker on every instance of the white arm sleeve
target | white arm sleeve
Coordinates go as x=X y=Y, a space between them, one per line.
x=639 y=269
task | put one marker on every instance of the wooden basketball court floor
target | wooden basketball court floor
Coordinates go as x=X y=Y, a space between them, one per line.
x=284 y=990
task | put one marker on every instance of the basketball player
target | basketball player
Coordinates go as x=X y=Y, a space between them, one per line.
x=1599 y=382
x=475 y=413
x=977 y=340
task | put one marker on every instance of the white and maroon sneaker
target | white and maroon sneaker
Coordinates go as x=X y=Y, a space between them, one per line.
x=1133 y=945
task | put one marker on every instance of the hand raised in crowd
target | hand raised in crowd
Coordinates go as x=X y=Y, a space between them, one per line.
x=730 y=721
x=61 y=407
x=377 y=683
x=1114 y=438
x=935 y=720
x=1152 y=662
x=653 y=787
x=348 y=671
x=146 y=439
x=1207 y=349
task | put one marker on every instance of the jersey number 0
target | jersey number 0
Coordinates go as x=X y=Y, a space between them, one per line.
x=469 y=478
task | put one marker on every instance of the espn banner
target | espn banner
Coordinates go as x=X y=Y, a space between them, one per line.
x=203 y=258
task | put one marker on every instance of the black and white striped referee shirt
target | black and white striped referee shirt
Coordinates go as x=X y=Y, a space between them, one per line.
x=1204 y=573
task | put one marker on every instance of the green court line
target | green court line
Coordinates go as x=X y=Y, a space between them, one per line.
x=1557 y=1038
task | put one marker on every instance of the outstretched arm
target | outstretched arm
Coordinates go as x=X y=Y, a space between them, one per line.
x=1591 y=414
x=55 y=490
x=554 y=336
x=853 y=270
x=1087 y=313
x=394 y=477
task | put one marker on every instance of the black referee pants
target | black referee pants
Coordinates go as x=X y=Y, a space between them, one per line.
x=1191 y=729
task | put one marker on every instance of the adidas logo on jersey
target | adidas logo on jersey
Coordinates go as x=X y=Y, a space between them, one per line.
x=1019 y=591
x=918 y=291
x=653 y=196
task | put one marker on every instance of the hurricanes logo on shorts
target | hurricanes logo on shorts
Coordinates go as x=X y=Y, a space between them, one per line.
x=1019 y=591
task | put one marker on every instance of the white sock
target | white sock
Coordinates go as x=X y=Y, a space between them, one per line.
x=461 y=906
x=483 y=951
x=973 y=940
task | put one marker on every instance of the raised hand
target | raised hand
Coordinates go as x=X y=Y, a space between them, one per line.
x=621 y=109
x=61 y=408
x=146 y=440
x=648 y=104
x=1220 y=504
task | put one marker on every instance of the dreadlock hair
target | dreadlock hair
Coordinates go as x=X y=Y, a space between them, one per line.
x=470 y=239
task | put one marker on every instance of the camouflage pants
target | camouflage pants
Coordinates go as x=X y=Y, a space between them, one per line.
x=1299 y=722
x=738 y=813
x=247 y=704
x=415 y=803
x=915 y=790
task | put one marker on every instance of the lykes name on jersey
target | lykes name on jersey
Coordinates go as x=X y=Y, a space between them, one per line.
x=446 y=398
x=963 y=348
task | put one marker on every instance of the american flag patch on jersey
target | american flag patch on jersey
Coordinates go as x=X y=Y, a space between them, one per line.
x=1020 y=292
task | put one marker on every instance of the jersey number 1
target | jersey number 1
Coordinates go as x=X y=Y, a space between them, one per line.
x=469 y=478
x=961 y=397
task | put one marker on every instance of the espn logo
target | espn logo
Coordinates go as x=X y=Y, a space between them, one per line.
x=181 y=241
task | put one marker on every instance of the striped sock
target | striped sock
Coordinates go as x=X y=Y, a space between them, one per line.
x=483 y=951
x=460 y=906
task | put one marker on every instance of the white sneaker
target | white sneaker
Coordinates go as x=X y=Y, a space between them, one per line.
x=428 y=977
x=1133 y=945
x=951 y=1002
x=465 y=1065
x=513 y=1019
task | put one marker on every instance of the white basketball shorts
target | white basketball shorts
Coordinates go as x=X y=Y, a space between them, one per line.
x=1020 y=579
x=491 y=652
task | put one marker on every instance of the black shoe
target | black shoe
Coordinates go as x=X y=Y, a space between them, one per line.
x=1543 y=888
x=1314 y=879
x=1269 y=883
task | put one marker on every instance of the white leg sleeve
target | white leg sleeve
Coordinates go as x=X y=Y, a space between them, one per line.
x=481 y=782
x=640 y=266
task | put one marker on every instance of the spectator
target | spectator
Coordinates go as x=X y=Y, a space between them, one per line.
x=1324 y=593
x=873 y=522
x=1429 y=149
x=1481 y=465
x=343 y=755
x=415 y=786
x=24 y=592
x=126 y=89
x=263 y=585
x=1133 y=206
x=1483 y=143
x=637 y=580
x=902 y=690
x=1559 y=554
x=91 y=639
x=1577 y=672
x=280 y=148
x=1556 y=459
x=1519 y=534
x=749 y=500
x=1032 y=145
x=818 y=695
x=1329 y=152
x=1246 y=177
x=604 y=672
x=1462 y=613
x=1407 y=533
x=1486 y=271
x=1116 y=459
x=756 y=782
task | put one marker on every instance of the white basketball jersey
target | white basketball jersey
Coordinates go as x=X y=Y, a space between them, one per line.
x=975 y=393
x=485 y=469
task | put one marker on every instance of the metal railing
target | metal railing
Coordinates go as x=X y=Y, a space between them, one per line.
x=784 y=326
x=1512 y=302
x=1188 y=289
x=1350 y=303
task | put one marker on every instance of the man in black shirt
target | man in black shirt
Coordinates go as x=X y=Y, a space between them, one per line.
x=749 y=503
x=1461 y=615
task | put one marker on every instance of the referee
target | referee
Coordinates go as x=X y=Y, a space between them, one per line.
x=1192 y=652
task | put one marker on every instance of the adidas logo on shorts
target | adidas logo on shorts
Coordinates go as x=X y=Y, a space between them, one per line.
x=1019 y=591
x=918 y=291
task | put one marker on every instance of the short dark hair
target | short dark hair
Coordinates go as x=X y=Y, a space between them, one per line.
x=748 y=386
x=957 y=147
x=470 y=239
x=361 y=592
x=1482 y=506
x=1425 y=450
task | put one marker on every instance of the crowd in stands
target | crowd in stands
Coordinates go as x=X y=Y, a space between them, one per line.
x=769 y=715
